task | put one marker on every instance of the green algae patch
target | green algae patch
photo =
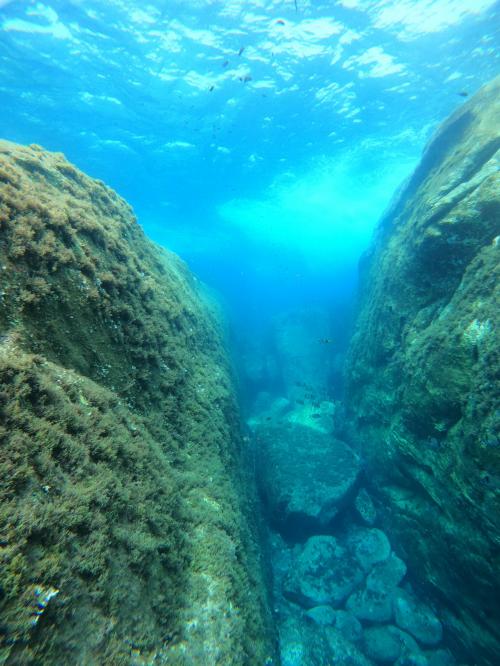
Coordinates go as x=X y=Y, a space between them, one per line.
x=88 y=510
x=126 y=534
x=423 y=376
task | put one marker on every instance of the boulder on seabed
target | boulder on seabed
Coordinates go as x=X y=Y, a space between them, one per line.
x=370 y=546
x=412 y=659
x=324 y=573
x=324 y=616
x=306 y=477
x=371 y=606
x=304 y=645
x=387 y=643
x=343 y=621
x=348 y=625
x=374 y=602
x=386 y=575
x=417 y=619
x=440 y=658
x=299 y=646
x=343 y=651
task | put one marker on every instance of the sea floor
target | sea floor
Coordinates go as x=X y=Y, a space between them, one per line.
x=341 y=593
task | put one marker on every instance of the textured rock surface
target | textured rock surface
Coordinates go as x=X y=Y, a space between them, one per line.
x=357 y=561
x=323 y=573
x=371 y=605
x=348 y=625
x=417 y=619
x=122 y=530
x=440 y=658
x=370 y=546
x=305 y=475
x=312 y=645
x=386 y=575
x=387 y=643
x=423 y=375
x=322 y=615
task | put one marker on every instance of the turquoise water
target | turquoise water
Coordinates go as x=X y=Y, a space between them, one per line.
x=260 y=139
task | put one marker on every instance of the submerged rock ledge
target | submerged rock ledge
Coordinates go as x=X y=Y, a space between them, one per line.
x=423 y=378
x=125 y=535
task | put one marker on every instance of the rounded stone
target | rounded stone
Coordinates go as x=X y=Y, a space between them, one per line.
x=440 y=658
x=382 y=644
x=343 y=651
x=306 y=478
x=348 y=625
x=370 y=546
x=322 y=574
x=417 y=618
x=412 y=659
x=386 y=575
x=387 y=643
x=322 y=615
x=371 y=606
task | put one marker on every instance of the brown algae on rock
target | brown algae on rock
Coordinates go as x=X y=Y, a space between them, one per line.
x=423 y=372
x=124 y=524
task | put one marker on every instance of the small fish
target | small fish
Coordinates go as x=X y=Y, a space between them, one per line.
x=280 y=22
x=225 y=63
x=245 y=78
x=463 y=93
x=325 y=341
x=240 y=52
x=211 y=88
x=316 y=415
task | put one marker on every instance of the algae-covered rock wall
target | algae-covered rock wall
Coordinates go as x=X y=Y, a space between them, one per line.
x=423 y=377
x=125 y=535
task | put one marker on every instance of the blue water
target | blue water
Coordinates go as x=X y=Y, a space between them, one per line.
x=259 y=139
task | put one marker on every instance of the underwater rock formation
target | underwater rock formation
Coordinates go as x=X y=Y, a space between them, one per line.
x=125 y=535
x=345 y=599
x=423 y=381
x=306 y=477
x=323 y=574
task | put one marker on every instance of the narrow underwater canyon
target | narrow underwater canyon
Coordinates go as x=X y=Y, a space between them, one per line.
x=384 y=506
x=131 y=530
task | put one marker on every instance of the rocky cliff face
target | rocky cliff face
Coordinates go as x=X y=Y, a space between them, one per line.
x=423 y=380
x=124 y=530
